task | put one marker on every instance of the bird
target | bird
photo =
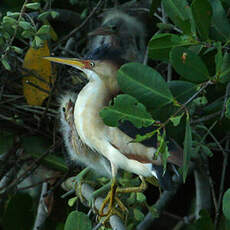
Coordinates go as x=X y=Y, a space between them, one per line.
x=120 y=39
x=122 y=32
x=103 y=148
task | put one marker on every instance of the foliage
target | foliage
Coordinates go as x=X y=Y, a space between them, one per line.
x=183 y=92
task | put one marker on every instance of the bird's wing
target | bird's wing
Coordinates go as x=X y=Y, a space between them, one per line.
x=77 y=151
x=123 y=136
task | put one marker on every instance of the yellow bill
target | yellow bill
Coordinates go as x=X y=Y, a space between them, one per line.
x=69 y=61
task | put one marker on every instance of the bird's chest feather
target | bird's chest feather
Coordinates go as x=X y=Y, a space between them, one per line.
x=90 y=101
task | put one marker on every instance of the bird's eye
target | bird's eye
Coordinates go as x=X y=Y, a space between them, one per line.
x=92 y=64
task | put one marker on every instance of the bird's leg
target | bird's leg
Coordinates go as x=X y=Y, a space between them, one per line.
x=110 y=196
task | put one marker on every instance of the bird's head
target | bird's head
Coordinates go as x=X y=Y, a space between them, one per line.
x=101 y=65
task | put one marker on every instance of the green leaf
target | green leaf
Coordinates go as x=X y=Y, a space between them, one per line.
x=72 y=201
x=162 y=149
x=227 y=111
x=218 y=58
x=145 y=84
x=25 y=25
x=17 y=49
x=187 y=147
x=225 y=69
x=33 y=6
x=6 y=141
x=45 y=29
x=9 y=20
x=200 y=101
x=220 y=24
x=37 y=42
x=54 y=14
x=206 y=151
x=180 y=13
x=78 y=221
x=202 y=13
x=161 y=44
x=43 y=15
x=12 y=14
x=188 y=65
x=176 y=120
x=126 y=107
x=226 y=204
x=44 y=32
x=140 y=138
x=35 y=144
x=18 y=213
x=138 y=215
x=153 y=210
x=204 y=222
x=51 y=161
x=27 y=34
x=182 y=90
x=6 y=64
x=140 y=197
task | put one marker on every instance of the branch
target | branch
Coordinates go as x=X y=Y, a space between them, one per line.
x=160 y=205
x=42 y=212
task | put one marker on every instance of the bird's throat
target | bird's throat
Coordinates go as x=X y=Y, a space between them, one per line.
x=92 y=98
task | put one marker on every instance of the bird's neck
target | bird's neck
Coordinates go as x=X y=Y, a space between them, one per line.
x=92 y=98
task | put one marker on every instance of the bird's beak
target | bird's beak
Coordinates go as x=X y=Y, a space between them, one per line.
x=77 y=63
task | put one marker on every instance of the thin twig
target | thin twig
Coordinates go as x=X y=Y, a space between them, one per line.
x=188 y=101
x=38 y=183
x=205 y=118
x=15 y=30
x=42 y=211
x=32 y=167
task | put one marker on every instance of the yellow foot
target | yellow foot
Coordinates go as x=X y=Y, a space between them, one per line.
x=109 y=200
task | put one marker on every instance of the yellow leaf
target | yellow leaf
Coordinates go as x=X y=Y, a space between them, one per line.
x=36 y=87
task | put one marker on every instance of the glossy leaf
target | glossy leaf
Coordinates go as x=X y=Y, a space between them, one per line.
x=220 y=23
x=161 y=44
x=218 y=58
x=203 y=223
x=179 y=12
x=187 y=148
x=188 y=65
x=35 y=146
x=202 y=13
x=225 y=69
x=162 y=149
x=182 y=90
x=145 y=84
x=34 y=61
x=126 y=107
x=176 y=120
x=25 y=25
x=226 y=204
x=78 y=221
x=138 y=215
x=33 y=6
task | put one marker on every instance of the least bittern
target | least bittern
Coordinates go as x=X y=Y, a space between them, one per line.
x=121 y=32
x=88 y=139
x=120 y=38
